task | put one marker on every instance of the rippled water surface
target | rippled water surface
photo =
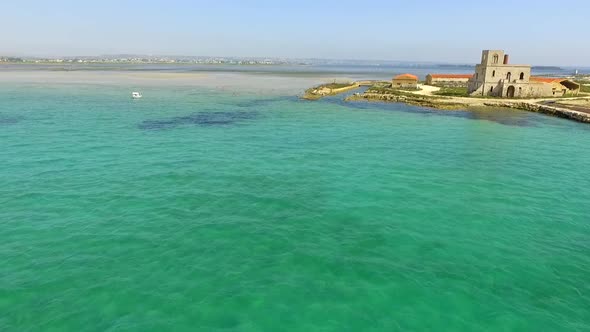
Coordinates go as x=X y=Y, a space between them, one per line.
x=211 y=210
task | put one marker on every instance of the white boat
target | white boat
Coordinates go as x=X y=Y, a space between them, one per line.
x=136 y=95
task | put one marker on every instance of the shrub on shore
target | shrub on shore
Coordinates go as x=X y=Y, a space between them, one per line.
x=337 y=85
x=452 y=92
x=585 y=86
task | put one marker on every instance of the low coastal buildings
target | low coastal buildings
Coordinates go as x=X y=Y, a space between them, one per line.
x=405 y=81
x=448 y=79
x=559 y=86
x=496 y=77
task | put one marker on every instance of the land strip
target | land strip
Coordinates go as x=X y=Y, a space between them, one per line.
x=330 y=89
x=573 y=108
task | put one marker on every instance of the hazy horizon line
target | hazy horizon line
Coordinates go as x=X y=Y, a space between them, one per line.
x=372 y=61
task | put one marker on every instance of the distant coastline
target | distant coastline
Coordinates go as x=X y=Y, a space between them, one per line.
x=229 y=60
x=141 y=61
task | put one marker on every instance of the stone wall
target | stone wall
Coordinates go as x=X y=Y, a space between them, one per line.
x=545 y=109
x=446 y=81
x=323 y=91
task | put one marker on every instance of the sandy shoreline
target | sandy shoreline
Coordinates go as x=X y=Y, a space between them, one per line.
x=229 y=81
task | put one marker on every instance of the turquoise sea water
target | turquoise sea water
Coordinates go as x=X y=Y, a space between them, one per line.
x=196 y=209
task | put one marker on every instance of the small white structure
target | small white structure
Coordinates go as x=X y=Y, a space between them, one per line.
x=136 y=95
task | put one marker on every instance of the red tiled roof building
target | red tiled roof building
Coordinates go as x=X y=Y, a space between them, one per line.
x=405 y=81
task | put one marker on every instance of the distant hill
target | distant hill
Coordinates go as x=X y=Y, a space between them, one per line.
x=547 y=68
x=457 y=66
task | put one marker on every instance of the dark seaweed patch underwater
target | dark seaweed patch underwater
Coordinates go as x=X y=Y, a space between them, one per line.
x=203 y=119
x=9 y=120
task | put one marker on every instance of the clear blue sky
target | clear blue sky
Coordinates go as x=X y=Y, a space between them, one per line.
x=539 y=32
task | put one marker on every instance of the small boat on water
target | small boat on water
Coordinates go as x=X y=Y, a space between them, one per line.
x=136 y=95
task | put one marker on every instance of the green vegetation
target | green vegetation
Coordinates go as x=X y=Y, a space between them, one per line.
x=382 y=90
x=387 y=90
x=11 y=59
x=452 y=92
x=585 y=86
x=337 y=85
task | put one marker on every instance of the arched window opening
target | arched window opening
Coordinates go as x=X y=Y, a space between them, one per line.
x=522 y=76
x=495 y=58
x=508 y=76
x=494 y=73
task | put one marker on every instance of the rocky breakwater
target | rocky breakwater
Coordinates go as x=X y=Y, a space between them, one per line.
x=330 y=89
x=408 y=98
x=549 y=109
